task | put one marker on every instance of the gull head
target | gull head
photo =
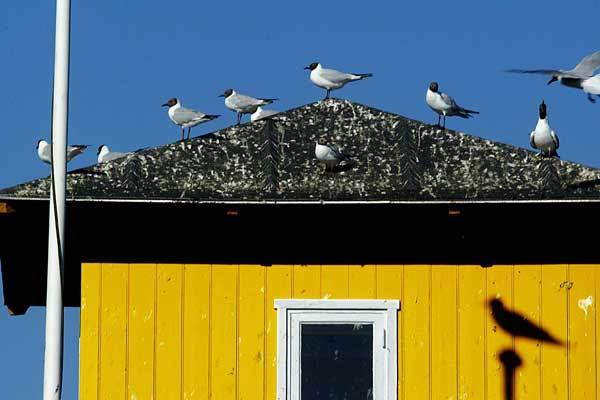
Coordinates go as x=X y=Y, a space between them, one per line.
x=553 y=79
x=433 y=86
x=227 y=93
x=102 y=148
x=312 y=66
x=171 y=102
x=41 y=142
x=543 y=110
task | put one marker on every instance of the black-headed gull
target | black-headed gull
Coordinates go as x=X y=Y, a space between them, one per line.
x=261 y=113
x=104 y=154
x=445 y=105
x=185 y=117
x=330 y=79
x=330 y=156
x=543 y=138
x=243 y=104
x=580 y=77
x=44 y=150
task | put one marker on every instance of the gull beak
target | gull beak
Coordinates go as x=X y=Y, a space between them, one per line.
x=221 y=95
x=165 y=105
x=306 y=67
x=554 y=79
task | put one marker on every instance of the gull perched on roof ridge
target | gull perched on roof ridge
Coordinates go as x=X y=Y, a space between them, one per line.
x=331 y=79
x=579 y=77
x=44 y=151
x=186 y=117
x=104 y=154
x=261 y=113
x=445 y=105
x=542 y=137
x=243 y=104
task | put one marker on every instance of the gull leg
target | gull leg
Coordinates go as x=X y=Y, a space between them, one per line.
x=182 y=133
x=439 y=120
x=239 y=116
x=327 y=95
x=444 y=121
x=189 y=132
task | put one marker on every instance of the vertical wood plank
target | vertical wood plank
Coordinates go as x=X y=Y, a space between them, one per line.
x=140 y=342
x=527 y=281
x=279 y=284
x=582 y=326
x=196 y=333
x=361 y=281
x=415 y=343
x=334 y=282
x=169 y=284
x=499 y=286
x=113 y=333
x=471 y=332
x=90 y=328
x=251 y=337
x=554 y=319
x=307 y=281
x=444 y=359
x=389 y=287
x=224 y=332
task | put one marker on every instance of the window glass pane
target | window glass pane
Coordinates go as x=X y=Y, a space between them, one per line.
x=337 y=361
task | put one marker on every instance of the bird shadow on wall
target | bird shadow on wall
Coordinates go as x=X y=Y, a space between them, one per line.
x=517 y=325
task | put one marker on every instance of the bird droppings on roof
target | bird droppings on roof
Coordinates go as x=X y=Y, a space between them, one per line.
x=273 y=159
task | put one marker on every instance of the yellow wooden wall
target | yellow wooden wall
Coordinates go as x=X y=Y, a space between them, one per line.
x=154 y=331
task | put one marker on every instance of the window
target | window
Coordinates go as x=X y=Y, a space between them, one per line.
x=337 y=349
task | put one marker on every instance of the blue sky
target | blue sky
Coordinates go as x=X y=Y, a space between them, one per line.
x=127 y=58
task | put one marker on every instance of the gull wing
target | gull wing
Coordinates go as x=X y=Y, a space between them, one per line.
x=183 y=115
x=588 y=65
x=335 y=76
x=532 y=140
x=242 y=101
x=554 y=137
x=448 y=100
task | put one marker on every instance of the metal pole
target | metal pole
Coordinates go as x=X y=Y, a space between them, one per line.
x=53 y=357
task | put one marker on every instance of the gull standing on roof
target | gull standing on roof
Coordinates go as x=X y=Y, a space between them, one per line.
x=445 y=105
x=44 y=150
x=104 y=154
x=543 y=138
x=330 y=79
x=330 y=156
x=185 y=117
x=260 y=113
x=243 y=104
x=580 y=77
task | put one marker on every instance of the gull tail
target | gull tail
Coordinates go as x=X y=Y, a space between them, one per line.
x=268 y=101
x=466 y=113
x=362 y=76
x=211 y=117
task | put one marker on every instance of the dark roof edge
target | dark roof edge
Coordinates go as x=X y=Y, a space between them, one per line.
x=308 y=202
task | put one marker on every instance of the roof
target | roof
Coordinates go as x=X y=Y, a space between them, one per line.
x=397 y=159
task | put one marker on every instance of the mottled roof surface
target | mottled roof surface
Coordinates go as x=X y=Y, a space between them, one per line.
x=396 y=159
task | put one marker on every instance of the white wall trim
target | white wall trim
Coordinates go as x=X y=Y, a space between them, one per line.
x=349 y=310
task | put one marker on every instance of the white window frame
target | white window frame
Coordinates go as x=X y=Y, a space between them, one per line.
x=291 y=312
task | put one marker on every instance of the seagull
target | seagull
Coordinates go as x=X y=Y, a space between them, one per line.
x=260 y=113
x=330 y=156
x=104 y=154
x=330 y=79
x=243 y=104
x=445 y=105
x=44 y=150
x=185 y=117
x=517 y=325
x=580 y=77
x=543 y=138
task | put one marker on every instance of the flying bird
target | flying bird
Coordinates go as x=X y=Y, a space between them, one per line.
x=445 y=105
x=330 y=156
x=580 y=77
x=185 y=117
x=104 y=154
x=330 y=79
x=261 y=113
x=243 y=104
x=543 y=138
x=518 y=325
x=44 y=150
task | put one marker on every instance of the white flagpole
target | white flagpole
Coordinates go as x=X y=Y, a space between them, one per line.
x=53 y=357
